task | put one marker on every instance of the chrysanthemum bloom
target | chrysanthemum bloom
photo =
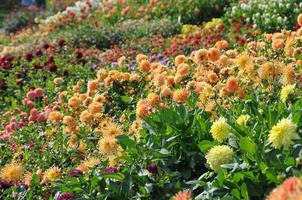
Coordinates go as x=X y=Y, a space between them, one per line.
x=222 y=44
x=278 y=44
x=283 y=134
x=269 y=71
x=93 y=85
x=74 y=102
x=39 y=92
x=299 y=19
x=108 y=145
x=122 y=62
x=242 y=120
x=200 y=56
x=86 y=116
x=286 y=91
x=287 y=190
x=101 y=74
x=180 y=95
x=58 y=81
x=55 y=116
x=52 y=174
x=91 y=162
x=219 y=155
x=220 y=130
x=212 y=77
x=12 y=172
x=243 y=60
x=141 y=57
x=153 y=98
x=166 y=91
x=69 y=121
x=31 y=95
x=183 y=195
x=213 y=54
x=144 y=66
x=232 y=85
x=183 y=69
x=289 y=75
x=112 y=130
x=180 y=59
x=95 y=107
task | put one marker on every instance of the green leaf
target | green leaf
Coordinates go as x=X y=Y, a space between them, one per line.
x=127 y=143
x=247 y=145
x=115 y=176
x=205 y=145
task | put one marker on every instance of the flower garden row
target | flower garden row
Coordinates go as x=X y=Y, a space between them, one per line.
x=212 y=113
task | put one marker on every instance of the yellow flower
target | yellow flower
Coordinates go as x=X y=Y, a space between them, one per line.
x=52 y=174
x=112 y=130
x=286 y=91
x=108 y=145
x=242 y=120
x=219 y=155
x=12 y=172
x=213 y=23
x=220 y=130
x=91 y=162
x=283 y=134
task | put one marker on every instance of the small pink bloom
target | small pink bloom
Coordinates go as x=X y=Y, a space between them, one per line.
x=39 y=92
x=13 y=125
x=34 y=112
x=40 y=117
x=23 y=115
x=31 y=95
x=8 y=128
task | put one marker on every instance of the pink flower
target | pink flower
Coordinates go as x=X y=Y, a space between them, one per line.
x=183 y=195
x=8 y=128
x=40 y=117
x=31 y=95
x=39 y=92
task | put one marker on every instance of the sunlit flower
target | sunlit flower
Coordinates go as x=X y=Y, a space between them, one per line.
x=180 y=59
x=108 y=145
x=95 y=107
x=12 y=172
x=180 y=95
x=286 y=91
x=55 y=116
x=112 y=130
x=74 y=102
x=183 y=195
x=52 y=174
x=219 y=155
x=220 y=130
x=200 y=56
x=289 y=189
x=283 y=134
x=242 y=120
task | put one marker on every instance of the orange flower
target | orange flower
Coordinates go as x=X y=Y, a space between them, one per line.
x=183 y=195
x=144 y=66
x=55 y=116
x=180 y=59
x=232 y=85
x=183 y=69
x=212 y=77
x=213 y=54
x=278 y=44
x=222 y=44
x=200 y=56
x=141 y=57
x=180 y=95
x=74 y=102
x=93 y=85
x=95 y=107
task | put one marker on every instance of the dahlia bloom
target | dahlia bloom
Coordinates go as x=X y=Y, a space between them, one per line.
x=286 y=91
x=219 y=155
x=220 y=130
x=283 y=134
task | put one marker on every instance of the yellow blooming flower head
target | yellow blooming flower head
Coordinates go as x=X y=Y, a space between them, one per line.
x=52 y=174
x=213 y=23
x=187 y=28
x=112 y=130
x=286 y=91
x=12 y=172
x=108 y=145
x=242 y=120
x=283 y=134
x=91 y=162
x=219 y=155
x=220 y=129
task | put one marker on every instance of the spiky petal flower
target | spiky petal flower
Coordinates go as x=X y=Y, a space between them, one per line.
x=52 y=174
x=286 y=91
x=183 y=195
x=220 y=129
x=242 y=120
x=291 y=188
x=12 y=172
x=219 y=155
x=283 y=134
